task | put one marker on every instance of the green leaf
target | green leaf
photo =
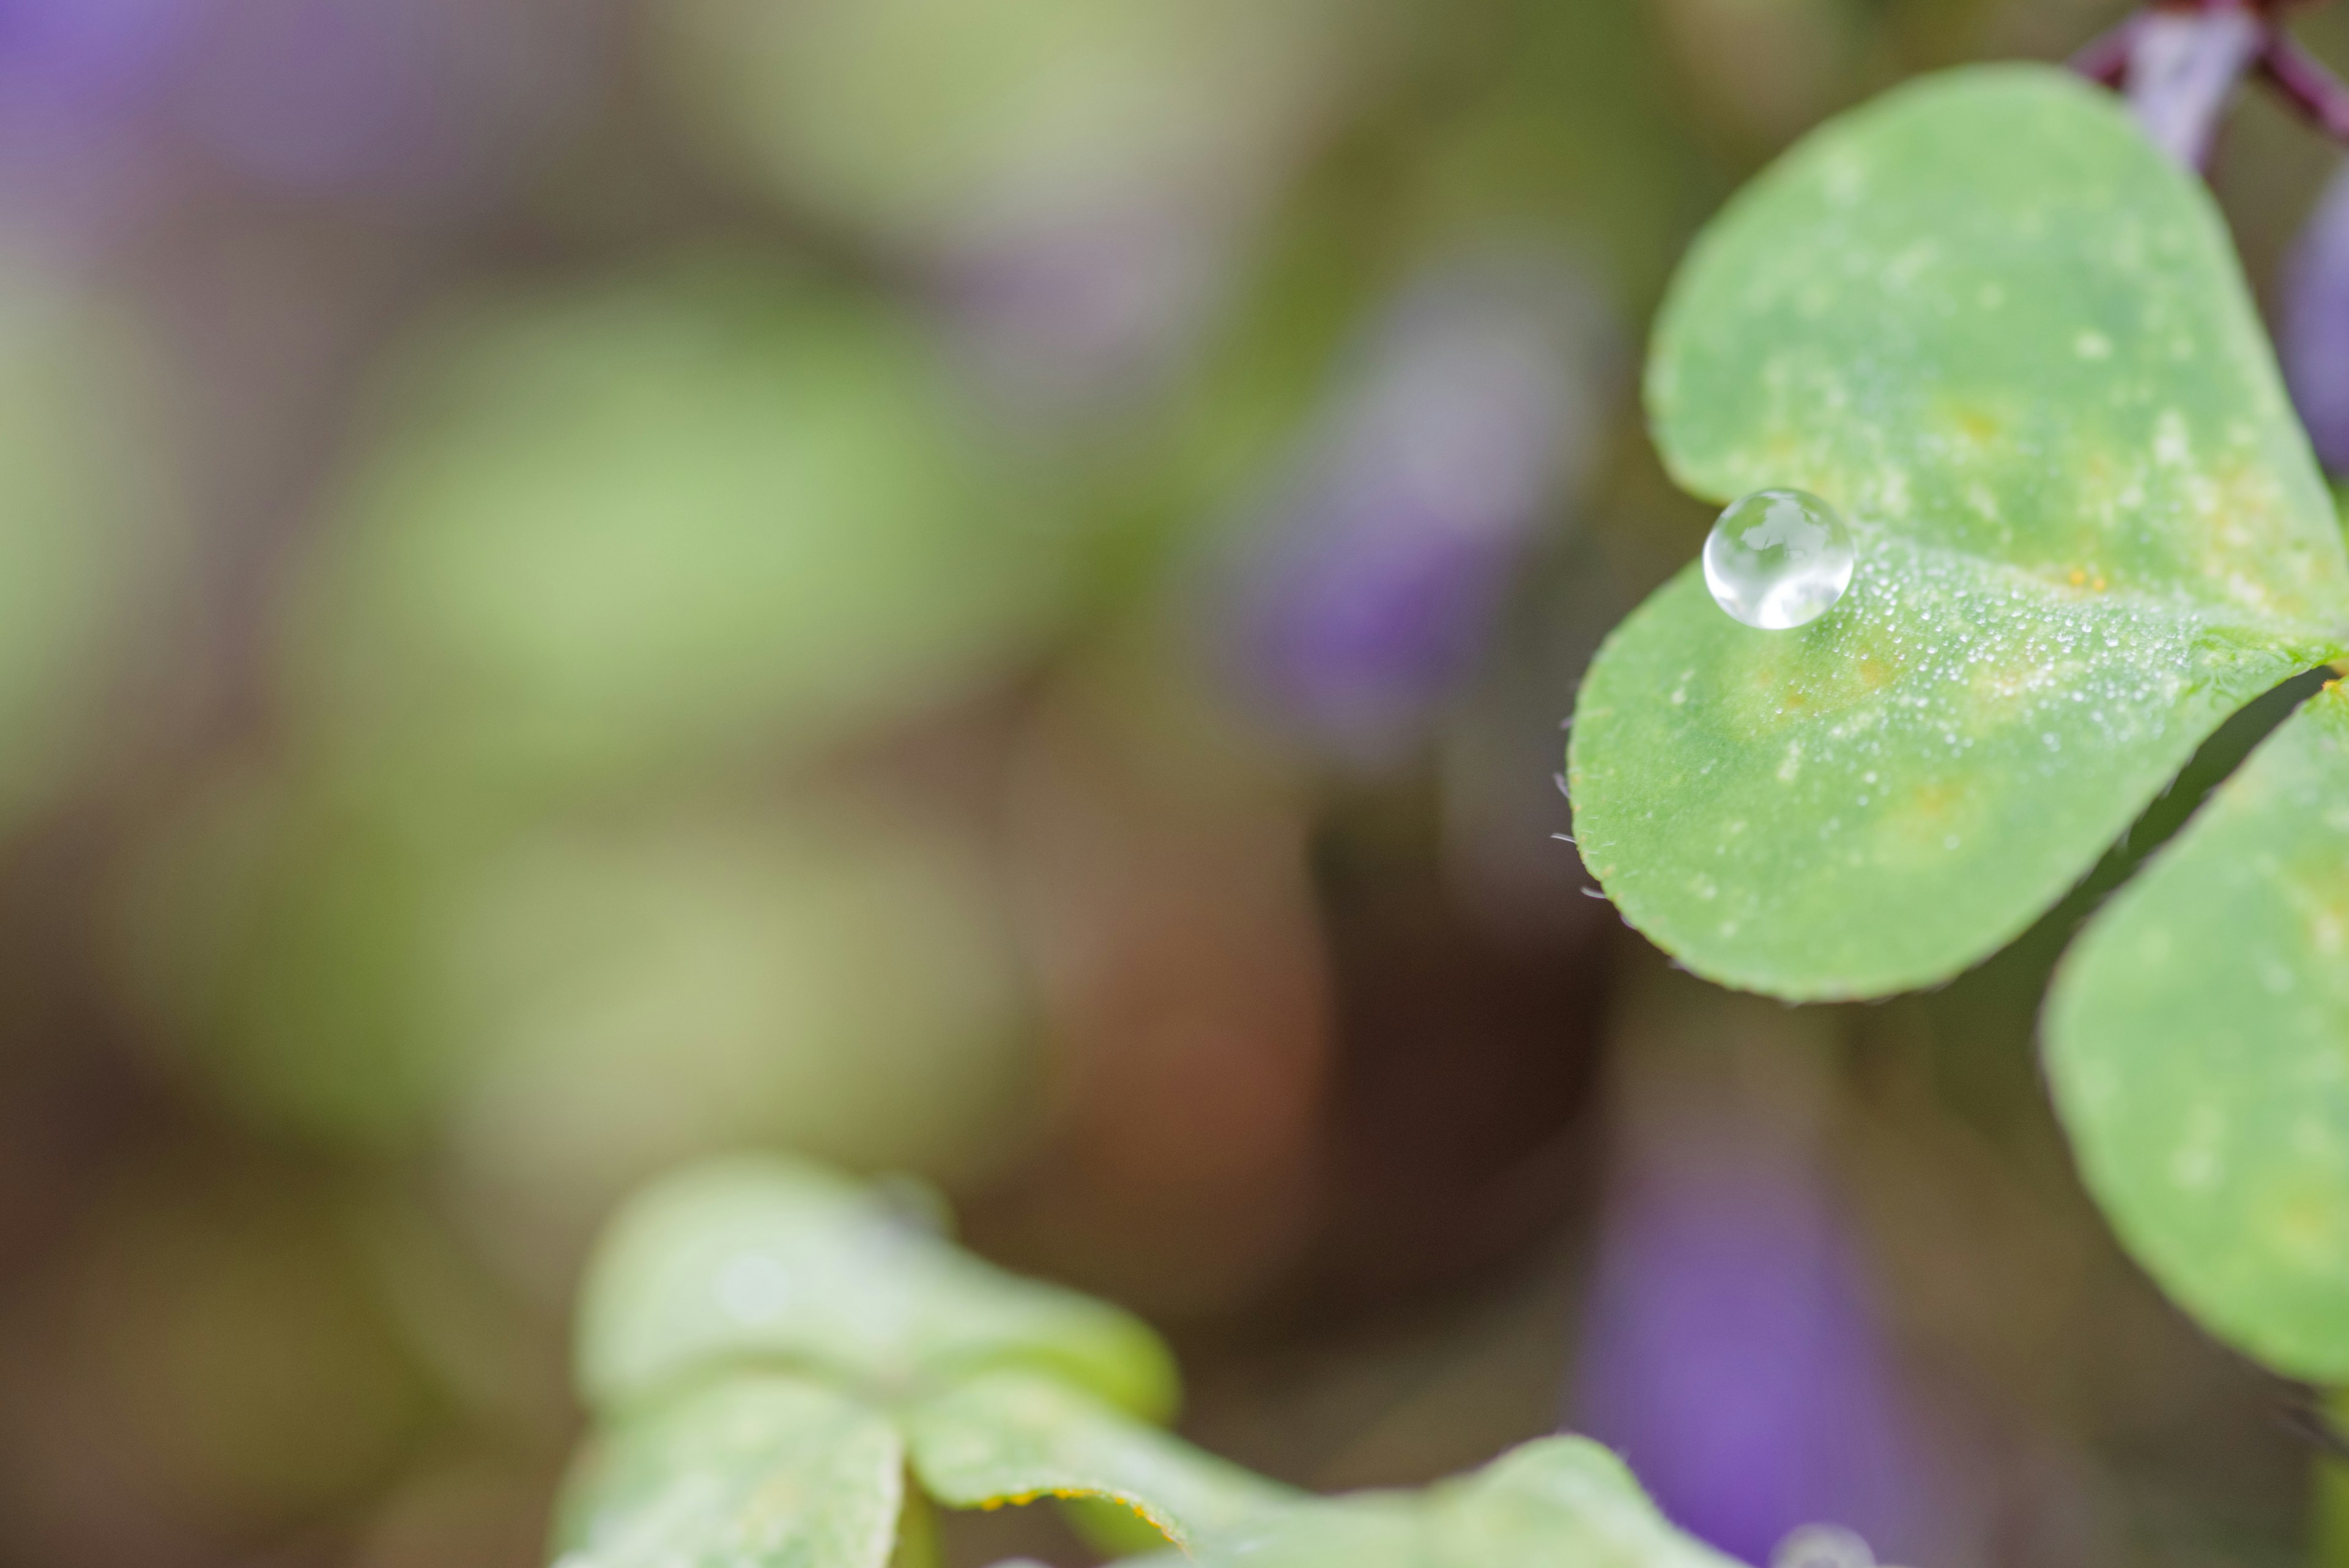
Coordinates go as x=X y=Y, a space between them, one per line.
x=1569 y=1498
x=758 y=1471
x=767 y=1260
x=2198 y=1046
x=1014 y=1436
x=2010 y=342
x=928 y=123
x=575 y=1008
x=917 y=1545
x=660 y=522
x=1557 y=1501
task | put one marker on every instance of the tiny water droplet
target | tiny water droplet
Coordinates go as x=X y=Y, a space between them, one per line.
x=1778 y=559
x=1823 y=1546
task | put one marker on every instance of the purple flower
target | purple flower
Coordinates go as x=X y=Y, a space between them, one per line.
x=1368 y=588
x=76 y=78
x=409 y=95
x=1730 y=1355
x=83 y=56
x=2314 y=330
x=1078 y=313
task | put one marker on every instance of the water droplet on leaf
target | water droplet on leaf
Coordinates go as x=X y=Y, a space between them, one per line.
x=1778 y=559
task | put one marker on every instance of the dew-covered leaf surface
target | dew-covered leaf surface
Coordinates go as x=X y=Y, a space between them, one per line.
x=2010 y=343
x=767 y=1261
x=2197 y=1044
x=1554 y=1501
x=758 y=1471
x=1014 y=1436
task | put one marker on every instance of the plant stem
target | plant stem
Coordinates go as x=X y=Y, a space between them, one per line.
x=2179 y=64
x=2104 y=59
x=2307 y=86
x=2182 y=71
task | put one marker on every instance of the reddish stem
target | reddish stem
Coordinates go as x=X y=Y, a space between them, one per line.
x=2105 y=58
x=2306 y=85
x=2180 y=61
x=2184 y=66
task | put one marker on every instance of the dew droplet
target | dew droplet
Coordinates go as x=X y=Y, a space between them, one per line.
x=1778 y=559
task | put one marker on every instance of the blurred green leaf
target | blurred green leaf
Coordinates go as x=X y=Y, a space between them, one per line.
x=923 y=122
x=834 y=977
x=769 y=1260
x=1013 y=1437
x=217 y=1336
x=1553 y=1501
x=2197 y=1044
x=691 y=516
x=85 y=531
x=756 y=1471
x=576 y=1006
x=280 y=934
x=809 y=1322
x=917 y=1545
x=2010 y=342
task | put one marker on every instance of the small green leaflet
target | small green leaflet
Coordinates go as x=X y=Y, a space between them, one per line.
x=770 y=1345
x=1014 y=1435
x=2010 y=343
x=770 y=1348
x=763 y=1469
x=2197 y=1044
x=773 y=1261
x=1557 y=1501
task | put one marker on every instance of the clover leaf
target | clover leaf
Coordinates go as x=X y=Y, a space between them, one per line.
x=766 y=1261
x=1986 y=320
x=1016 y=1436
x=768 y=1346
x=2195 y=1042
x=760 y=1469
x=1554 y=1501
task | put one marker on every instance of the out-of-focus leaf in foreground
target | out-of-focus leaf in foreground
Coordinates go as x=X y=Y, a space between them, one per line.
x=760 y=1337
x=572 y=1008
x=1016 y=1435
x=764 y=1342
x=761 y=1471
x=2198 y=1044
x=927 y=124
x=1556 y=1501
x=1984 y=318
x=772 y=1262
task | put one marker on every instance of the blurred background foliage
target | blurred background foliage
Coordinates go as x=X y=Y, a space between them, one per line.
x=980 y=587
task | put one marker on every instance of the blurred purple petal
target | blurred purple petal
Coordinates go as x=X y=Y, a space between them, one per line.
x=1729 y=1353
x=92 y=55
x=76 y=78
x=2314 y=338
x=1067 y=312
x=2184 y=69
x=1368 y=591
